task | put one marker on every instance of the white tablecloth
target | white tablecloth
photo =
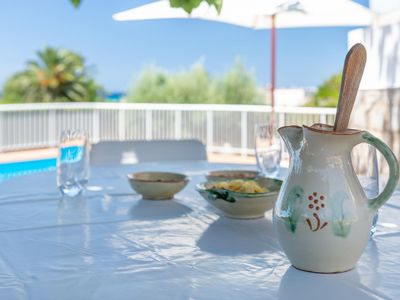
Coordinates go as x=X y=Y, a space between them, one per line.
x=110 y=244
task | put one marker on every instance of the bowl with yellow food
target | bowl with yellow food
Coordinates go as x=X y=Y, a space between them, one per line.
x=241 y=199
x=222 y=175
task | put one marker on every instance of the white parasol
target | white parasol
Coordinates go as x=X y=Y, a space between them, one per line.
x=262 y=14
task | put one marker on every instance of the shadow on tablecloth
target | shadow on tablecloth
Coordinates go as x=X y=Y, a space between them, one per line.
x=230 y=237
x=158 y=210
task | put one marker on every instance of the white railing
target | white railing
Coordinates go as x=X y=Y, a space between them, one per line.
x=223 y=128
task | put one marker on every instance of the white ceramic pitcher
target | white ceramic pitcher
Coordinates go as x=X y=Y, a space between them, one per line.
x=322 y=215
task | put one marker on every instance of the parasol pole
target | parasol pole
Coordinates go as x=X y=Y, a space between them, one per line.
x=273 y=60
x=273 y=69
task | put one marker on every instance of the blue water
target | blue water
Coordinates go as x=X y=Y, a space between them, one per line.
x=10 y=170
x=115 y=96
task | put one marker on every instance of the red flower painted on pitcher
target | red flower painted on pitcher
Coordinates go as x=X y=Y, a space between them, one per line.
x=316 y=204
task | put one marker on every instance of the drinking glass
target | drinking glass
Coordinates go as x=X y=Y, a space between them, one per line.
x=268 y=148
x=365 y=163
x=72 y=162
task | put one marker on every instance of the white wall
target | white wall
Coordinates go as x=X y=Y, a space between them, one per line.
x=384 y=6
x=292 y=96
x=382 y=41
x=383 y=55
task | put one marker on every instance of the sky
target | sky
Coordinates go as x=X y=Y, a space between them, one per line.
x=118 y=51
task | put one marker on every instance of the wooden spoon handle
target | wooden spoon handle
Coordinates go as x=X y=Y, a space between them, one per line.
x=352 y=72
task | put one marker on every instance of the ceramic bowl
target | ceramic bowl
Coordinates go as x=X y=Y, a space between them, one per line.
x=231 y=174
x=242 y=205
x=157 y=185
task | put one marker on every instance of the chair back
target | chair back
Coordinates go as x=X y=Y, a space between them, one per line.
x=131 y=152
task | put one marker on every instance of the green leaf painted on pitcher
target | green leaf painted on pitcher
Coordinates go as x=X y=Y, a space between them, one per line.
x=341 y=225
x=291 y=207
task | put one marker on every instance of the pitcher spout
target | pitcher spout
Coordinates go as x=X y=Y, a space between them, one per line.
x=293 y=137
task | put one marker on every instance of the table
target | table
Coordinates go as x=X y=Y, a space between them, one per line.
x=110 y=244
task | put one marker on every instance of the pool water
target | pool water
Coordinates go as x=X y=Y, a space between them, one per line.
x=10 y=170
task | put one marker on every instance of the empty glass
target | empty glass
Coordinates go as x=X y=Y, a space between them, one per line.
x=73 y=162
x=365 y=163
x=268 y=147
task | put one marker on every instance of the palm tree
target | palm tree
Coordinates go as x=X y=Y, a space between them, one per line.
x=58 y=75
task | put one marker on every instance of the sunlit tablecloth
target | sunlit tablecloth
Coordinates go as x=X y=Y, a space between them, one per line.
x=110 y=244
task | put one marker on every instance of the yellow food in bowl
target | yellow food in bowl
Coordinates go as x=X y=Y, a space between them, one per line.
x=240 y=186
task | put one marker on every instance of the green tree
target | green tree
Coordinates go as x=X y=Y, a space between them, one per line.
x=187 y=86
x=327 y=94
x=187 y=5
x=237 y=86
x=151 y=85
x=192 y=86
x=57 y=75
x=195 y=86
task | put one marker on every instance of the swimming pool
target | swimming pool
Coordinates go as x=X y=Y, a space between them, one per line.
x=10 y=170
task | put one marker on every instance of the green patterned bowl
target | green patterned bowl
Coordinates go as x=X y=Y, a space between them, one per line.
x=242 y=205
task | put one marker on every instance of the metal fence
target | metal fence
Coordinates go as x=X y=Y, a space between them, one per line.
x=223 y=128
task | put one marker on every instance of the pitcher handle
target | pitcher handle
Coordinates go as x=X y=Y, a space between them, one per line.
x=378 y=201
